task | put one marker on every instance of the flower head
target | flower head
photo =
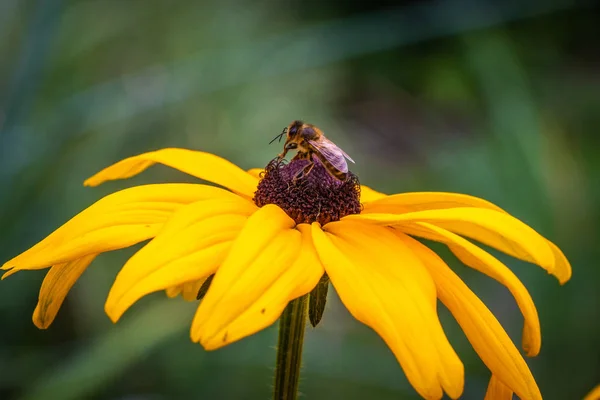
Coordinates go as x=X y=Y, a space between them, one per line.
x=318 y=197
x=270 y=238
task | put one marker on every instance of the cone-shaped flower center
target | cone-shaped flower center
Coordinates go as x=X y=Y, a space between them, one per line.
x=314 y=197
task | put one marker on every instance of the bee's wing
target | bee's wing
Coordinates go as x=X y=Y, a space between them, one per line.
x=331 y=152
x=347 y=156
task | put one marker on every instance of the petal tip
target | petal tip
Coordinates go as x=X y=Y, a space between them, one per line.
x=8 y=273
x=563 y=281
x=41 y=323
x=210 y=344
x=7 y=265
x=91 y=182
x=529 y=350
x=565 y=277
x=113 y=312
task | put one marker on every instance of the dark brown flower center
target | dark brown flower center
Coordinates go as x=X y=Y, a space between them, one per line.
x=315 y=197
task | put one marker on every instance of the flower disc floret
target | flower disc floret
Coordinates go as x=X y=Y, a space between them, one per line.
x=316 y=197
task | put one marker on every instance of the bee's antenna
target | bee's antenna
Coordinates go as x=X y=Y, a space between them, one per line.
x=279 y=136
x=276 y=137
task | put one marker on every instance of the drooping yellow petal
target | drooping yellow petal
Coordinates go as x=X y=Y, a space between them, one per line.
x=562 y=267
x=57 y=283
x=368 y=195
x=479 y=259
x=497 y=390
x=496 y=229
x=118 y=220
x=483 y=330
x=385 y=286
x=189 y=247
x=202 y=165
x=252 y=295
x=420 y=201
x=594 y=394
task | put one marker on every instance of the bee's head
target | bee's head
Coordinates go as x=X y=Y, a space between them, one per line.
x=294 y=128
x=292 y=134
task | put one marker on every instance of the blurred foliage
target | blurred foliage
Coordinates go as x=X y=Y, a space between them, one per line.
x=495 y=99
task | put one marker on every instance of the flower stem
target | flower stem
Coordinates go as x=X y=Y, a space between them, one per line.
x=289 y=349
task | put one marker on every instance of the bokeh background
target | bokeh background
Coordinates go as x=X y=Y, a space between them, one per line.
x=496 y=99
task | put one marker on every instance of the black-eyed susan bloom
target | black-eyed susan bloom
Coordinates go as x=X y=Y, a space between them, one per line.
x=265 y=239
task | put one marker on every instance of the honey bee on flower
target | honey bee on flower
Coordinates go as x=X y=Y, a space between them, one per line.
x=310 y=142
x=264 y=239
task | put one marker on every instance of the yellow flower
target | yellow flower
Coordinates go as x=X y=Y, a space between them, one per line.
x=263 y=257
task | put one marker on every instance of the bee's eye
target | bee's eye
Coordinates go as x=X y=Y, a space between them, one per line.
x=291 y=146
x=293 y=130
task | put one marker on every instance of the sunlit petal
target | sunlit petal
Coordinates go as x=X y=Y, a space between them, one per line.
x=385 y=286
x=202 y=165
x=479 y=259
x=57 y=283
x=256 y=172
x=483 y=330
x=368 y=195
x=257 y=279
x=420 y=201
x=190 y=247
x=119 y=220
x=262 y=301
x=497 y=390
x=496 y=229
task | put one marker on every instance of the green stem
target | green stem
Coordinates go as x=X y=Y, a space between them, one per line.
x=289 y=349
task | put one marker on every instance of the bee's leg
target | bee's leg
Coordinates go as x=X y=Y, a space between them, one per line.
x=282 y=155
x=304 y=171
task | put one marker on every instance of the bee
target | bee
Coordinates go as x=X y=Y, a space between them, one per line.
x=310 y=141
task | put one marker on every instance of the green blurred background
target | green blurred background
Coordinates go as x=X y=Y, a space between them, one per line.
x=496 y=99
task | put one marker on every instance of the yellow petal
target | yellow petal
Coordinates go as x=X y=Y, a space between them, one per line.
x=479 y=259
x=248 y=296
x=483 y=330
x=368 y=195
x=594 y=394
x=256 y=172
x=57 y=283
x=562 y=267
x=385 y=286
x=116 y=221
x=174 y=291
x=190 y=247
x=497 y=390
x=263 y=291
x=202 y=165
x=420 y=201
x=190 y=289
x=496 y=229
